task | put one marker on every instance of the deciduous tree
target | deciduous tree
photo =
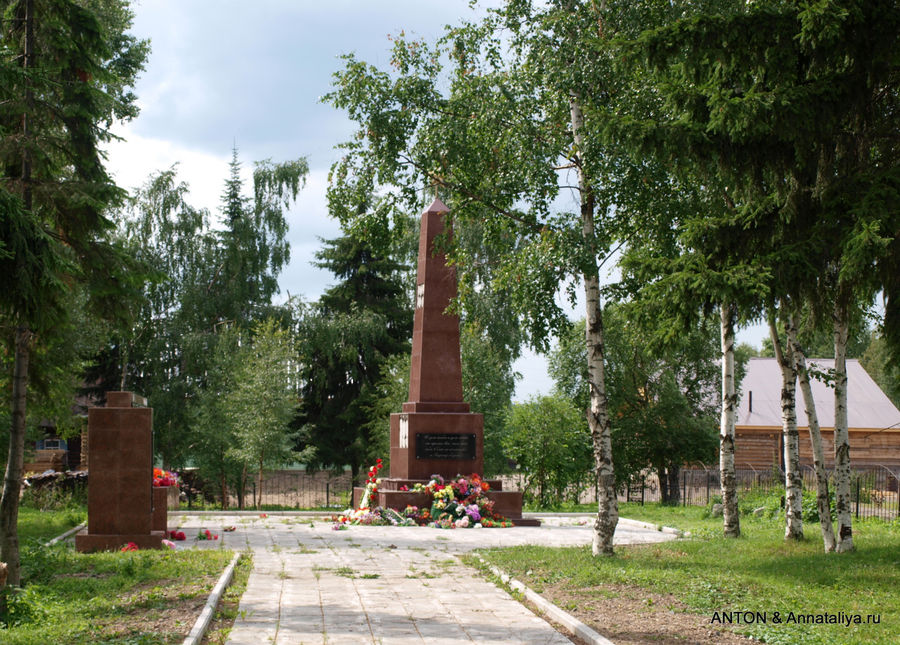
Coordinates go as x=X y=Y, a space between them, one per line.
x=547 y=437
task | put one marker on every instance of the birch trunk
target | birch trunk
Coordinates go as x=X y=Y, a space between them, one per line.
x=823 y=498
x=12 y=480
x=842 y=500
x=598 y=416
x=731 y=519
x=793 y=483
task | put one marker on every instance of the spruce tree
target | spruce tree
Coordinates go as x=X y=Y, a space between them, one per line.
x=77 y=63
x=345 y=340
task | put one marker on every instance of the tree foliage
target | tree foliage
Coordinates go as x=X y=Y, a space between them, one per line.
x=261 y=402
x=67 y=68
x=664 y=397
x=345 y=340
x=789 y=107
x=547 y=437
x=204 y=278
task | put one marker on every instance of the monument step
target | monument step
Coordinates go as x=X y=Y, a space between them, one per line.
x=506 y=503
x=86 y=542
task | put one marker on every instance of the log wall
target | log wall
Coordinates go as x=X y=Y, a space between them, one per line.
x=760 y=448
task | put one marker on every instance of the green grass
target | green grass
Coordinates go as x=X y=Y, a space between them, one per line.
x=71 y=597
x=757 y=572
x=100 y=598
x=45 y=525
x=686 y=518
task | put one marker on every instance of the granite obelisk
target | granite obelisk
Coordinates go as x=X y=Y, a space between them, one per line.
x=435 y=433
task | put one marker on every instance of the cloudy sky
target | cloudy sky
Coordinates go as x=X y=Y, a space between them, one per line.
x=223 y=72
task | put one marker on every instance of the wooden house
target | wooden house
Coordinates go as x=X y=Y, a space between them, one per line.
x=874 y=421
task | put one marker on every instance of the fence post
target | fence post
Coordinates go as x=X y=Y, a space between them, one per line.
x=684 y=488
x=327 y=494
x=857 y=496
x=642 y=490
x=707 y=488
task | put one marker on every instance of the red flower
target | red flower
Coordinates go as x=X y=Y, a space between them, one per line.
x=131 y=546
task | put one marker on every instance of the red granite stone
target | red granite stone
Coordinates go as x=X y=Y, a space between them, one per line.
x=435 y=433
x=160 y=508
x=120 y=486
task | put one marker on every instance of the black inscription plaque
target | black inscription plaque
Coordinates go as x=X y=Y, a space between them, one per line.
x=445 y=446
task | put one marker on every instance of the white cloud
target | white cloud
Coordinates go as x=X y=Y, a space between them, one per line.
x=133 y=159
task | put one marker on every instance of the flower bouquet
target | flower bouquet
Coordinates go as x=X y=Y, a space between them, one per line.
x=164 y=477
x=368 y=514
x=461 y=503
x=206 y=534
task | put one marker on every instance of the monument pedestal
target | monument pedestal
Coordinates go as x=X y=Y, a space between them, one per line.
x=120 y=484
x=428 y=443
x=389 y=495
x=161 y=508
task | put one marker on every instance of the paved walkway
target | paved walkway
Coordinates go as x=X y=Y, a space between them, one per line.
x=371 y=584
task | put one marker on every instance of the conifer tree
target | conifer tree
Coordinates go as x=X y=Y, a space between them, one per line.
x=792 y=106
x=77 y=63
x=345 y=341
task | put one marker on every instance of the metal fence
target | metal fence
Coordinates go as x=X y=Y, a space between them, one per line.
x=874 y=491
x=289 y=489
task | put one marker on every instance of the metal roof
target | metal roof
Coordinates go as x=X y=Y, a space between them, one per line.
x=867 y=406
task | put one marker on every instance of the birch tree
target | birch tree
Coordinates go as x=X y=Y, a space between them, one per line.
x=793 y=483
x=261 y=403
x=495 y=144
x=823 y=498
x=792 y=106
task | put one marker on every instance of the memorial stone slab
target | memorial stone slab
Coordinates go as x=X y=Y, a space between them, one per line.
x=120 y=483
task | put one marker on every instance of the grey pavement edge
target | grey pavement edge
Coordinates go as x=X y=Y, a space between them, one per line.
x=549 y=609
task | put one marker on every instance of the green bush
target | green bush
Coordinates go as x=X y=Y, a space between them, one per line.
x=811 y=510
x=548 y=437
x=55 y=497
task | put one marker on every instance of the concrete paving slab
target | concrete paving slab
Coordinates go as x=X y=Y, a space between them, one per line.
x=374 y=584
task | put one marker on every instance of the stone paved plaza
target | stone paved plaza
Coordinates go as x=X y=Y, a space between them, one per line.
x=371 y=584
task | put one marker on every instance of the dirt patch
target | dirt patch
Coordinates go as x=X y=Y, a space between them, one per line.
x=166 y=610
x=629 y=614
